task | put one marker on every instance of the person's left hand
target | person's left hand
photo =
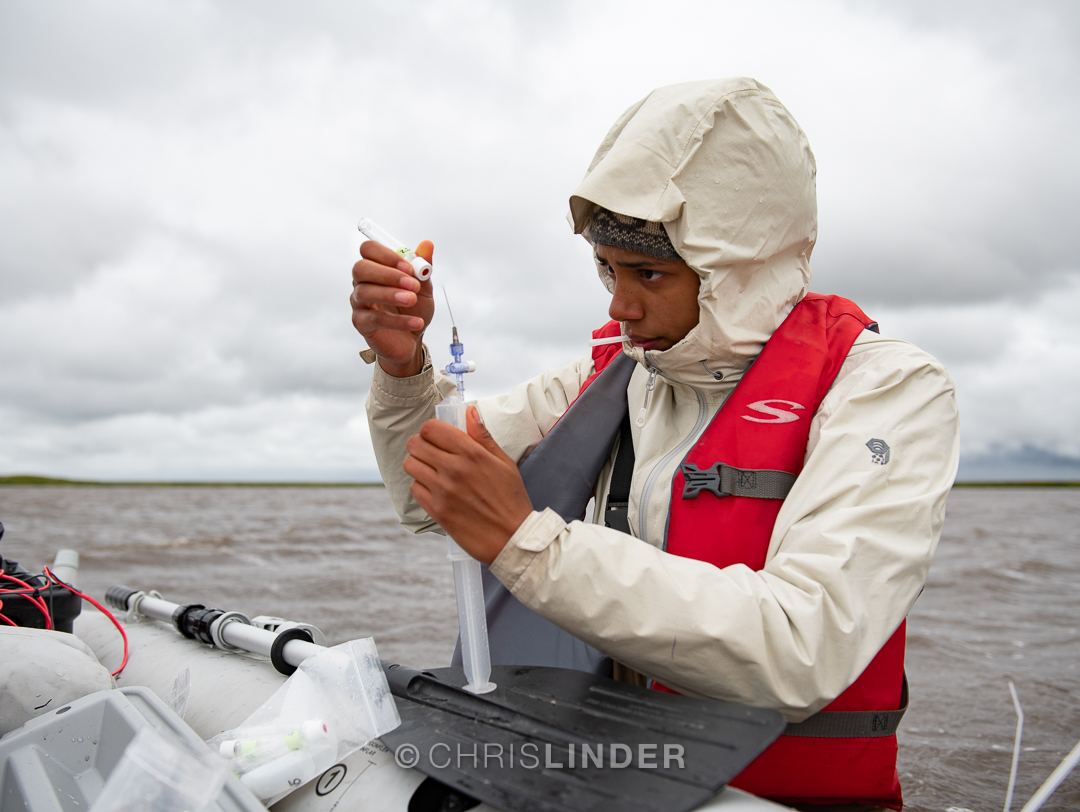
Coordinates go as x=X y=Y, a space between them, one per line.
x=467 y=484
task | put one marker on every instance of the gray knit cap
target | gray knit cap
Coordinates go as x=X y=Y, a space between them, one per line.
x=620 y=231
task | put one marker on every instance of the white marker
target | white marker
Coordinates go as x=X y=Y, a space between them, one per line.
x=371 y=230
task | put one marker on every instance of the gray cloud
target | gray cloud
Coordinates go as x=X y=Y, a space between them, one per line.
x=181 y=185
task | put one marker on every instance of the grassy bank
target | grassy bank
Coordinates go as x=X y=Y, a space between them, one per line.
x=26 y=479
x=1016 y=484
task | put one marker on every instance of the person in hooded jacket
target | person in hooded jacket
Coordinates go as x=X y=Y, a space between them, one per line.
x=768 y=527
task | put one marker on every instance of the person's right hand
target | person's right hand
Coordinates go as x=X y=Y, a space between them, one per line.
x=391 y=308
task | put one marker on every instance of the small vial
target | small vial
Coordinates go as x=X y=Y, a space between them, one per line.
x=282 y=775
x=373 y=231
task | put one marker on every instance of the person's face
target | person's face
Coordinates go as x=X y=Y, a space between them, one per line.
x=656 y=299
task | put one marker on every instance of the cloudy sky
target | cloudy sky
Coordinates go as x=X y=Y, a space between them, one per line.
x=180 y=185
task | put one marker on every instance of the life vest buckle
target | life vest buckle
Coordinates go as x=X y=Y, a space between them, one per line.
x=698 y=480
x=726 y=480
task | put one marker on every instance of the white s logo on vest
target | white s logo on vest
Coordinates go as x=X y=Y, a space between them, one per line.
x=777 y=415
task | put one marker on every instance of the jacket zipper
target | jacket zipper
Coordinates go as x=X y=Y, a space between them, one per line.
x=679 y=451
x=648 y=392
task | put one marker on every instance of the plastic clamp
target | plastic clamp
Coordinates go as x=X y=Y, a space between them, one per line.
x=277 y=651
x=178 y=618
x=218 y=626
x=197 y=621
x=278 y=624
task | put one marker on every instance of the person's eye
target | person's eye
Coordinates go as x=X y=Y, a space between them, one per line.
x=650 y=275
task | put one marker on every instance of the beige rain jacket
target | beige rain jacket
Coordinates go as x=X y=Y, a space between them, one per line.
x=728 y=171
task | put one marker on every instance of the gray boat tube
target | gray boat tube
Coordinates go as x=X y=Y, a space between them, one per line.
x=226 y=687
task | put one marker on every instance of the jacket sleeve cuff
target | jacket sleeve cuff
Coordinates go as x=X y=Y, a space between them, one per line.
x=391 y=391
x=532 y=538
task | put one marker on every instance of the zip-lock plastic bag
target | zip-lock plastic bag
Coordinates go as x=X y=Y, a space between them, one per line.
x=336 y=702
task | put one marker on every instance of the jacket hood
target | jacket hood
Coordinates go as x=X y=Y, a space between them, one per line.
x=727 y=170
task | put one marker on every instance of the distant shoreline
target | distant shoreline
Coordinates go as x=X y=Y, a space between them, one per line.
x=1041 y=484
x=26 y=479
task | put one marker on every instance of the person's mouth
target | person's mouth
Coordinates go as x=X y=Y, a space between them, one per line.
x=643 y=342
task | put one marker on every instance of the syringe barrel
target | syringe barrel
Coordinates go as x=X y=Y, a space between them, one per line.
x=468 y=585
x=472 y=619
x=452 y=410
x=373 y=231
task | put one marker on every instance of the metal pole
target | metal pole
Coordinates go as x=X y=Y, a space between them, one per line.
x=1067 y=765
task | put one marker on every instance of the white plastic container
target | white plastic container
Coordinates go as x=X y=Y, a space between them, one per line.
x=116 y=749
x=162 y=775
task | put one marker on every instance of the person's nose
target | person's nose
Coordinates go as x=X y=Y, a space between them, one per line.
x=625 y=306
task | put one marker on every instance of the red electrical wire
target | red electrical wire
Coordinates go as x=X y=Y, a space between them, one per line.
x=38 y=602
x=6 y=619
x=30 y=596
x=53 y=579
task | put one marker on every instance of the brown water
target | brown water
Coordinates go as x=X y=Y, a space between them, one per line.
x=1002 y=602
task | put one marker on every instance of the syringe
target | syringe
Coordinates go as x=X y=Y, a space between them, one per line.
x=373 y=231
x=472 y=618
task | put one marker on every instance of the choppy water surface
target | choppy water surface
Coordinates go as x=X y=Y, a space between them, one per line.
x=1002 y=602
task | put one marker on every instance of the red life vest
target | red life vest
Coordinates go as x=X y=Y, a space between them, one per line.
x=764 y=425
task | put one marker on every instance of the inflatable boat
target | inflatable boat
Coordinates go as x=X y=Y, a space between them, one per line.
x=181 y=671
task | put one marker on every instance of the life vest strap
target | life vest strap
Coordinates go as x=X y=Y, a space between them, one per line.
x=725 y=480
x=852 y=724
x=617 y=508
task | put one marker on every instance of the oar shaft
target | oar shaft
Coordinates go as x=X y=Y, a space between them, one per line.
x=156 y=609
x=260 y=641
x=232 y=631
